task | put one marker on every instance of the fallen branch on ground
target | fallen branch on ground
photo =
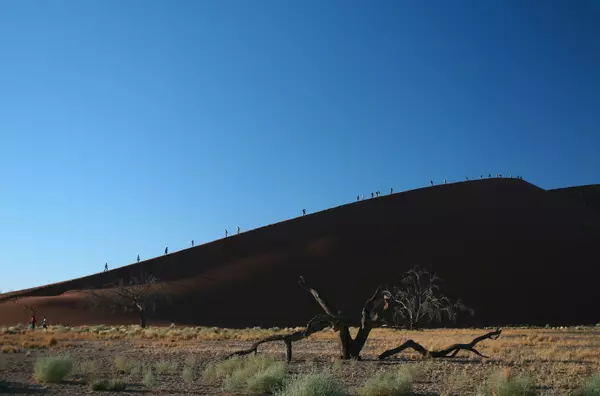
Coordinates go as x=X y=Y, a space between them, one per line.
x=449 y=352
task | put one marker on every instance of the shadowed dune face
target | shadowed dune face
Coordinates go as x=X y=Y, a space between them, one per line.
x=513 y=252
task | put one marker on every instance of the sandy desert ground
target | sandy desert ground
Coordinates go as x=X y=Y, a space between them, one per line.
x=556 y=360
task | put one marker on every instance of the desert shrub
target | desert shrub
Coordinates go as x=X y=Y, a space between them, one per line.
x=223 y=369
x=166 y=367
x=266 y=380
x=148 y=379
x=313 y=384
x=124 y=365
x=61 y=329
x=87 y=369
x=188 y=375
x=388 y=384
x=137 y=369
x=256 y=375
x=108 y=385
x=591 y=387
x=53 y=369
x=504 y=384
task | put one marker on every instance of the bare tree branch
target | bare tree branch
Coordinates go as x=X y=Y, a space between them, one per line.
x=451 y=351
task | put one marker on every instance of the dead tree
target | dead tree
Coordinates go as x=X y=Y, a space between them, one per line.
x=450 y=352
x=138 y=295
x=418 y=299
x=350 y=348
x=377 y=310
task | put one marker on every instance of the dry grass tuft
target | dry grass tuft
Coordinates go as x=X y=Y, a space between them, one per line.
x=388 y=384
x=53 y=369
x=9 y=349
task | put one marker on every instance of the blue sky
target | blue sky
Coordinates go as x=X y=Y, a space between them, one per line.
x=128 y=126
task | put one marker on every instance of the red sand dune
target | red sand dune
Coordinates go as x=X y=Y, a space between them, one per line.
x=515 y=253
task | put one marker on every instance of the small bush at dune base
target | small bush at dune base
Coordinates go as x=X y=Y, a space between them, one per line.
x=315 y=384
x=108 y=385
x=53 y=369
x=591 y=387
x=388 y=384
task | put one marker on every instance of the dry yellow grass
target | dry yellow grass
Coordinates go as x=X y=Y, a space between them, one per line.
x=556 y=360
x=9 y=349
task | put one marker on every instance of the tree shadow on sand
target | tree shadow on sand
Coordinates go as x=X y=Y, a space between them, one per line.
x=17 y=388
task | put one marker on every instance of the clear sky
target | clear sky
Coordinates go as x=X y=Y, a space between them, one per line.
x=128 y=126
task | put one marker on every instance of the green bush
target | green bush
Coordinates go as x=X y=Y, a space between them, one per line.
x=124 y=365
x=388 y=384
x=53 y=369
x=314 y=384
x=148 y=380
x=223 y=369
x=166 y=367
x=108 y=385
x=254 y=374
x=268 y=379
x=503 y=384
x=87 y=369
x=188 y=375
x=591 y=387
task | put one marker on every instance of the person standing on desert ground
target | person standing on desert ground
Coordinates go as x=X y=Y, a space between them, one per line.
x=444 y=180
x=138 y=258
x=363 y=196
x=105 y=267
x=467 y=178
x=226 y=233
x=33 y=321
x=357 y=198
x=303 y=212
x=192 y=243
x=431 y=181
x=238 y=230
x=166 y=250
x=372 y=195
x=391 y=190
x=44 y=324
